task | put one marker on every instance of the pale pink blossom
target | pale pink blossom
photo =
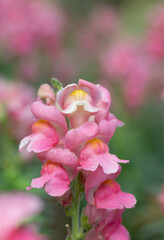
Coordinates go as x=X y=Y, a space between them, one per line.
x=160 y=199
x=15 y=208
x=15 y=100
x=30 y=25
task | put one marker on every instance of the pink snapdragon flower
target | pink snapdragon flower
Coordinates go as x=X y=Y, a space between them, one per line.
x=15 y=208
x=44 y=137
x=95 y=153
x=54 y=179
x=45 y=132
x=109 y=196
x=78 y=102
x=89 y=143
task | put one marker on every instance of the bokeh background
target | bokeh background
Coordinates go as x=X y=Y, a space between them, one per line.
x=117 y=43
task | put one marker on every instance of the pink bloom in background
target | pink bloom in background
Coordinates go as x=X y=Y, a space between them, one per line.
x=127 y=64
x=15 y=208
x=154 y=42
x=160 y=199
x=26 y=23
x=93 y=34
x=16 y=100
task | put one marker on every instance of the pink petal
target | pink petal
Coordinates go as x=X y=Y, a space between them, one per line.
x=108 y=203
x=62 y=156
x=40 y=181
x=89 y=163
x=107 y=130
x=111 y=116
x=77 y=136
x=116 y=159
x=40 y=143
x=24 y=142
x=49 y=113
x=92 y=235
x=94 y=179
x=64 y=93
x=107 y=163
x=120 y=233
x=92 y=89
x=56 y=189
x=104 y=104
x=126 y=199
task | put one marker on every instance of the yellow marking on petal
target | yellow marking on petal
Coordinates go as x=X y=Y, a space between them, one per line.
x=109 y=182
x=48 y=167
x=79 y=95
x=97 y=145
x=39 y=125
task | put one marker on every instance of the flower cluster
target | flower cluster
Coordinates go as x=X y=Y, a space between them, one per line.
x=71 y=136
x=13 y=214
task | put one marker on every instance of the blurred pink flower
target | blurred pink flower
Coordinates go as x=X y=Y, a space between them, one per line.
x=154 y=42
x=16 y=98
x=14 y=209
x=97 y=29
x=160 y=199
x=29 y=25
x=126 y=63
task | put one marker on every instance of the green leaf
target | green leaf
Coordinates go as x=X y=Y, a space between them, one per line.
x=56 y=84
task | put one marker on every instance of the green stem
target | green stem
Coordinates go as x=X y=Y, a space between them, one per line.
x=75 y=217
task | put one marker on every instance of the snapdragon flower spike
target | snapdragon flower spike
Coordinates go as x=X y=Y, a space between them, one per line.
x=109 y=196
x=78 y=101
x=44 y=137
x=54 y=179
x=96 y=153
